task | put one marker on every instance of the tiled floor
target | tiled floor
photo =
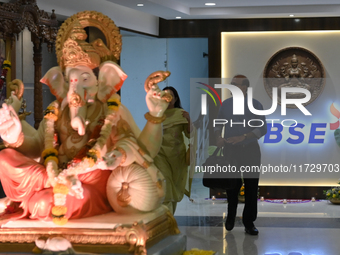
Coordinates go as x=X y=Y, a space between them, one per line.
x=310 y=228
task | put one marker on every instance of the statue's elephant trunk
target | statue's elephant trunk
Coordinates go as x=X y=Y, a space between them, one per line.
x=76 y=101
x=78 y=112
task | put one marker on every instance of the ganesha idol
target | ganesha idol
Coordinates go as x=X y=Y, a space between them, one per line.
x=88 y=156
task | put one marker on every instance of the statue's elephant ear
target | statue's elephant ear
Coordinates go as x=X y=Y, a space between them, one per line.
x=110 y=80
x=55 y=80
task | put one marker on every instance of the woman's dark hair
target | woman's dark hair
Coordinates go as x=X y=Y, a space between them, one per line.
x=178 y=101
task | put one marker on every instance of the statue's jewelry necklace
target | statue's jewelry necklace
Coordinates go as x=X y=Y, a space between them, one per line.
x=59 y=179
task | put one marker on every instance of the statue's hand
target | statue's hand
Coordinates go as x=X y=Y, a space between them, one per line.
x=10 y=125
x=111 y=160
x=157 y=101
x=14 y=101
x=73 y=183
x=76 y=189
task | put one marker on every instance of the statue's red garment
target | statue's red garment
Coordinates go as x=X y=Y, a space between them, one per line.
x=23 y=180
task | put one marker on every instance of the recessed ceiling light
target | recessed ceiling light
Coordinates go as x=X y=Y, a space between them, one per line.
x=140 y=5
x=291 y=15
x=178 y=17
x=210 y=4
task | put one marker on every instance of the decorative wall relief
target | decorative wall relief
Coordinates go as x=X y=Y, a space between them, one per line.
x=294 y=67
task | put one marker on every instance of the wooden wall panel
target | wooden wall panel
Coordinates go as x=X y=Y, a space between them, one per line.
x=211 y=28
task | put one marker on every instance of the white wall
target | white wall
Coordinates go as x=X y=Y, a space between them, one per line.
x=186 y=62
x=122 y=16
x=141 y=56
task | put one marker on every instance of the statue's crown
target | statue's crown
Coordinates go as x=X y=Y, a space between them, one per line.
x=76 y=51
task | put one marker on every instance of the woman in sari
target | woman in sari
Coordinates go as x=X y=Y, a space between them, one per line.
x=171 y=159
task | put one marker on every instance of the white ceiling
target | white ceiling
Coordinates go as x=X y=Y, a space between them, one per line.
x=226 y=9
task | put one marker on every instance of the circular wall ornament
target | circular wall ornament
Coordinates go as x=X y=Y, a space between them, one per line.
x=294 y=67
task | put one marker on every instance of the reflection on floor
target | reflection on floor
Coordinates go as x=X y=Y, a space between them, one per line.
x=309 y=228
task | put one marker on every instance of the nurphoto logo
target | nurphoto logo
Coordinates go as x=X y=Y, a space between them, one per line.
x=238 y=100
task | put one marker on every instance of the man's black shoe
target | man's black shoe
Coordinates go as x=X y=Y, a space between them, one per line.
x=229 y=224
x=252 y=231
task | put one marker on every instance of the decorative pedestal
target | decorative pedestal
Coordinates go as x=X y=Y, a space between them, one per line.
x=171 y=245
x=107 y=233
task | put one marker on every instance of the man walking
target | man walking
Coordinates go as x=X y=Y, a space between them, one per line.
x=240 y=144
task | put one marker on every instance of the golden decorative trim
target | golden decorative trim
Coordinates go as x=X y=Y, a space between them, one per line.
x=141 y=152
x=159 y=183
x=18 y=143
x=173 y=224
x=92 y=19
x=75 y=100
x=122 y=151
x=131 y=238
x=74 y=55
x=153 y=119
x=146 y=164
x=123 y=197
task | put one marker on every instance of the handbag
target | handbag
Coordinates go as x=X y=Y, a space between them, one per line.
x=219 y=179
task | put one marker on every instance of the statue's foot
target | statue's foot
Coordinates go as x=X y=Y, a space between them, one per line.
x=11 y=212
x=4 y=202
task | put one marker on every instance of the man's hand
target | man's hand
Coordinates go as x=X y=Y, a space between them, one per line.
x=10 y=125
x=235 y=139
x=220 y=141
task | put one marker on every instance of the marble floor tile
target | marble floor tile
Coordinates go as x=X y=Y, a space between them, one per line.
x=270 y=241
x=306 y=228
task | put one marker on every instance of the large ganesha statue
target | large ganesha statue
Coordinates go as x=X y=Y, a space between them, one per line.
x=88 y=156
